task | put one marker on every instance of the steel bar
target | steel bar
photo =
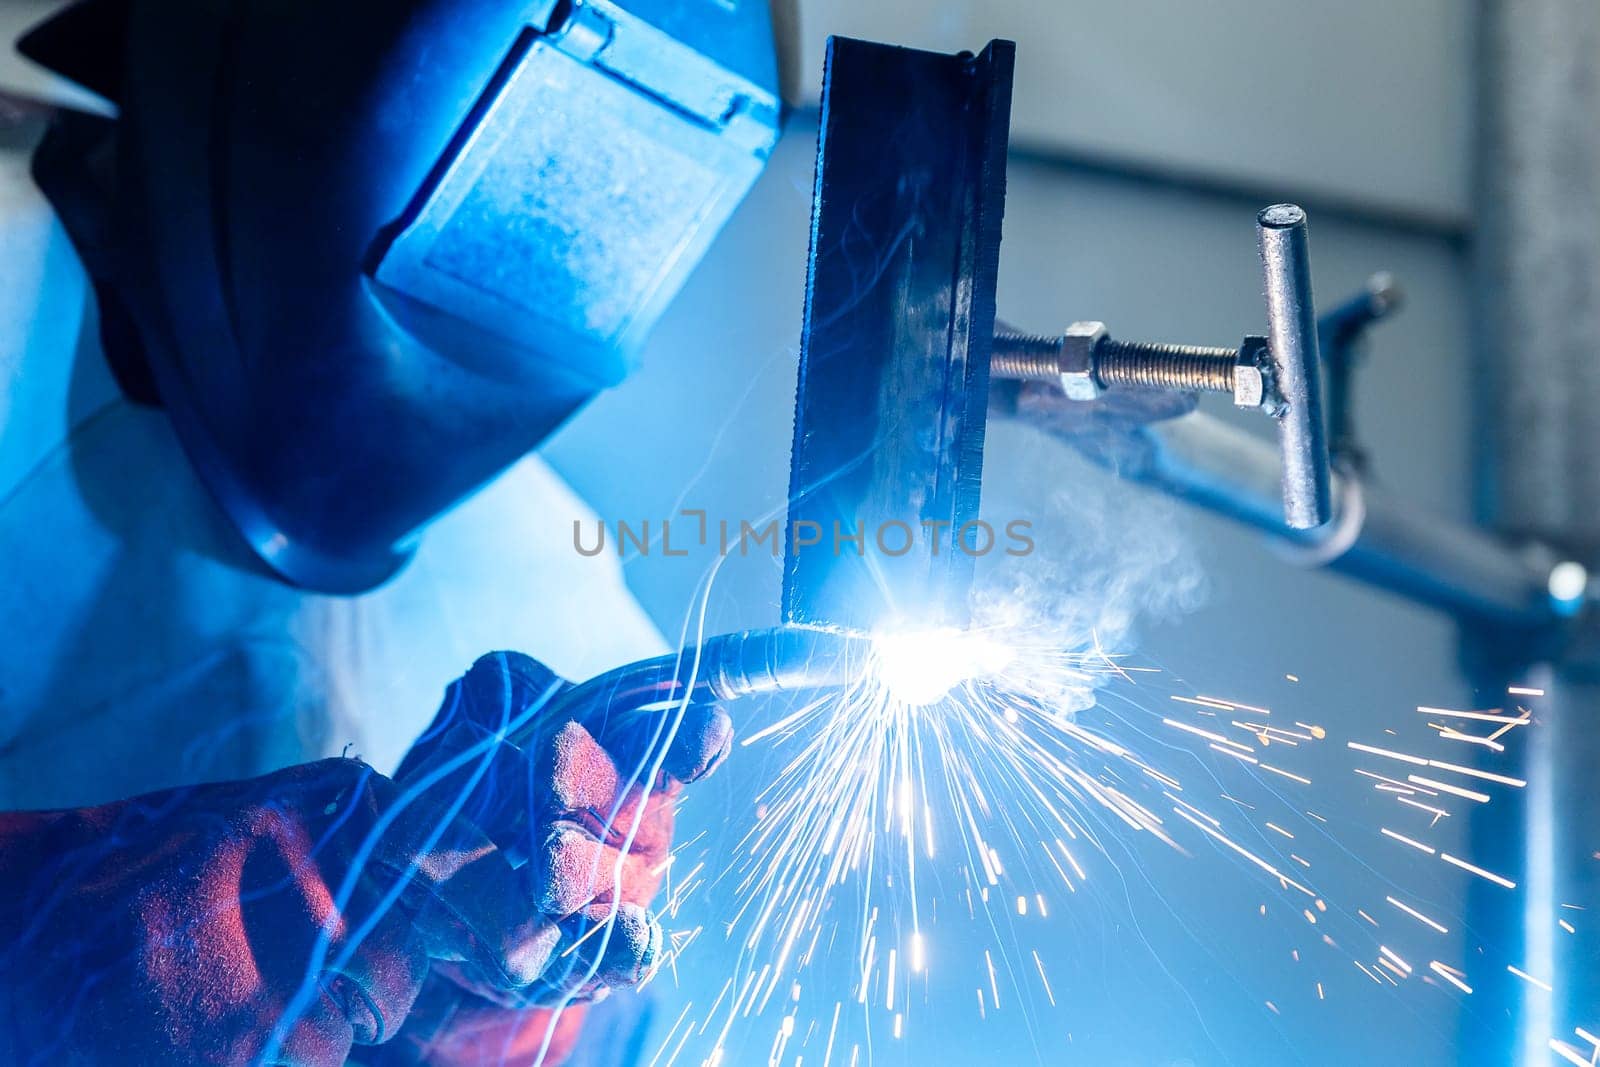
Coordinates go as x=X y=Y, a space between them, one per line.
x=894 y=361
x=1292 y=331
x=1372 y=536
x=1537 y=383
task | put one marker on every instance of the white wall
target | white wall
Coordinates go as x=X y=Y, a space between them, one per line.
x=1366 y=99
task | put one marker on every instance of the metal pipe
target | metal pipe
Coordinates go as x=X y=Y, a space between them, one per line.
x=1537 y=257
x=1371 y=536
x=1292 y=333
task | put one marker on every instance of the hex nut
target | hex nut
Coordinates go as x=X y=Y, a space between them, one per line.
x=1078 y=346
x=1249 y=385
x=1252 y=377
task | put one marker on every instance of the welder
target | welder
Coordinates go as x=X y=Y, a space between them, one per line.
x=346 y=272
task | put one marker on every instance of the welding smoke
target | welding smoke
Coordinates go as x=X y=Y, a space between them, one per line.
x=1107 y=555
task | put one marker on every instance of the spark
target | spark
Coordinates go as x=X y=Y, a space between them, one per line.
x=946 y=732
x=1388 y=753
x=1417 y=915
x=1252 y=857
x=1198 y=732
x=1390 y=954
x=1437 y=813
x=681 y=1017
x=1449 y=975
x=1236 y=706
x=1043 y=980
x=1404 y=840
x=1244 y=756
x=1487 y=776
x=1496 y=715
x=968 y=746
x=1286 y=774
x=579 y=942
x=1215 y=705
x=1448 y=734
x=1367 y=971
x=1479 y=871
x=833 y=1030
x=1508 y=727
x=1383 y=778
x=1530 y=979
x=1273 y=733
x=1570 y=1054
x=1446 y=787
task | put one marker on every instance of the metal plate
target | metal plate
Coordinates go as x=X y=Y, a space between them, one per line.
x=899 y=322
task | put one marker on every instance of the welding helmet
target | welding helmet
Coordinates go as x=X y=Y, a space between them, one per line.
x=368 y=254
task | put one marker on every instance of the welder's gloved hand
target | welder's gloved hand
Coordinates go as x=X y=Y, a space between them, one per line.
x=279 y=919
x=590 y=802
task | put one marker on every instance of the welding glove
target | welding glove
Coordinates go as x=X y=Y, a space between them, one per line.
x=279 y=919
x=589 y=801
x=285 y=918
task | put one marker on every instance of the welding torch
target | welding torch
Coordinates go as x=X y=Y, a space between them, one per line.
x=721 y=669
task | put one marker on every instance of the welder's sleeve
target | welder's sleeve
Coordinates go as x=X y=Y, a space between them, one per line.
x=590 y=802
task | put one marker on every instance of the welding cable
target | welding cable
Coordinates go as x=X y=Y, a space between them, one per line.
x=724 y=668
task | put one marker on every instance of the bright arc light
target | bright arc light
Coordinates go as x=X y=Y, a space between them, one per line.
x=1569 y=581
x=919 y=667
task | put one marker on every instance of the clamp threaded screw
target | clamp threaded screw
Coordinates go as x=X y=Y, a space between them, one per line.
x=1136 y=364
x=1026 y=357
x=1186 y=368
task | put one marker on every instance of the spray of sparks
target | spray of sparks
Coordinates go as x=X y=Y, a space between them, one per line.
x=969 y=747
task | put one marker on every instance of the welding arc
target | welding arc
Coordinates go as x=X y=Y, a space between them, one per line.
x=724 y=668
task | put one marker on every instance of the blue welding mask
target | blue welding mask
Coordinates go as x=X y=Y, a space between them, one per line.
x=368 y=254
